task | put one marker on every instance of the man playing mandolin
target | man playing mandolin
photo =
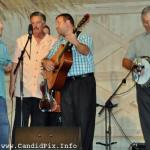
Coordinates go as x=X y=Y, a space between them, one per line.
x=137 y=55
x=79 y=92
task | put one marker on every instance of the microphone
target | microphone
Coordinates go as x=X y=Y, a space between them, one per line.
x=138 y=69
x=138 y=66
x=30 y=32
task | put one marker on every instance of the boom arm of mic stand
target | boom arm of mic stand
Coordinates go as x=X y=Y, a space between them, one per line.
x=108 y=102
x=21 y=56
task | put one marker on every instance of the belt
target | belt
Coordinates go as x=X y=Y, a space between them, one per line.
x=80 y=76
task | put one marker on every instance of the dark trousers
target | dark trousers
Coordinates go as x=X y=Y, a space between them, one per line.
x=79 y=107
x=54 y=119
x=143 y=100
x=30 y=108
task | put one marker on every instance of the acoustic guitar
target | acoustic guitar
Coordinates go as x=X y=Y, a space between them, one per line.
x=63 y=61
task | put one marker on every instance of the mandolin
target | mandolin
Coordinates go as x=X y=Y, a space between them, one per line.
x=48 y=102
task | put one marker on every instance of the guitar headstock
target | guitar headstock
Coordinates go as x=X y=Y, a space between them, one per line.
x=84 y=20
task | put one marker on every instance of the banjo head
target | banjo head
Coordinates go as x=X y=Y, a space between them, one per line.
x=139 y=77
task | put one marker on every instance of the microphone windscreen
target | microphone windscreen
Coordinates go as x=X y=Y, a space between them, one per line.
x=30 y=29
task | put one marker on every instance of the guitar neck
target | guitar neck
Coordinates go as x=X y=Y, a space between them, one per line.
x=68 y=47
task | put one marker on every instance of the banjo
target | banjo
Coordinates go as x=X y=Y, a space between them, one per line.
x=141 y=71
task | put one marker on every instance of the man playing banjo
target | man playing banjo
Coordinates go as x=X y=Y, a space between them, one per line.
x=137 y=59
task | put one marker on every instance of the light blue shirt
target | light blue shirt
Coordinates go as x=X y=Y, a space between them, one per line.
x=140 y=46
x=82 y=64
x=4 y=60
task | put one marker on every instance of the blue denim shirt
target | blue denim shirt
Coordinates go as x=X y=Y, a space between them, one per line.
x=4 y=60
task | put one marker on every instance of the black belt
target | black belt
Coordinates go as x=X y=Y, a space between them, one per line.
x=80 y=76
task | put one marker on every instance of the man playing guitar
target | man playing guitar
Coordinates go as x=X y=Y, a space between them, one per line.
x=79 y=91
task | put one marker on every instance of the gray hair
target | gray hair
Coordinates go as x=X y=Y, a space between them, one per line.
x=145 y=11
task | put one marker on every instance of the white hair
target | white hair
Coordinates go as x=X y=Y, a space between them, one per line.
x=145 y=11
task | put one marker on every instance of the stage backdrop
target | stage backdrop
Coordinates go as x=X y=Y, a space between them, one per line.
x=113 y=24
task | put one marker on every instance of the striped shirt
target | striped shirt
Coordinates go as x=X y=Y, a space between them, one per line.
x=82 y=64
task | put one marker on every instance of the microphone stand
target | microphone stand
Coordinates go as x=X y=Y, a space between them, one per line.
x=21 y=74
x=108 y=111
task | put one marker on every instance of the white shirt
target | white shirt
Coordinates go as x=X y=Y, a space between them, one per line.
x=32 y=67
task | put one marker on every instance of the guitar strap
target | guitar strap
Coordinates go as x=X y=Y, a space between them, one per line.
x=78 y=32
